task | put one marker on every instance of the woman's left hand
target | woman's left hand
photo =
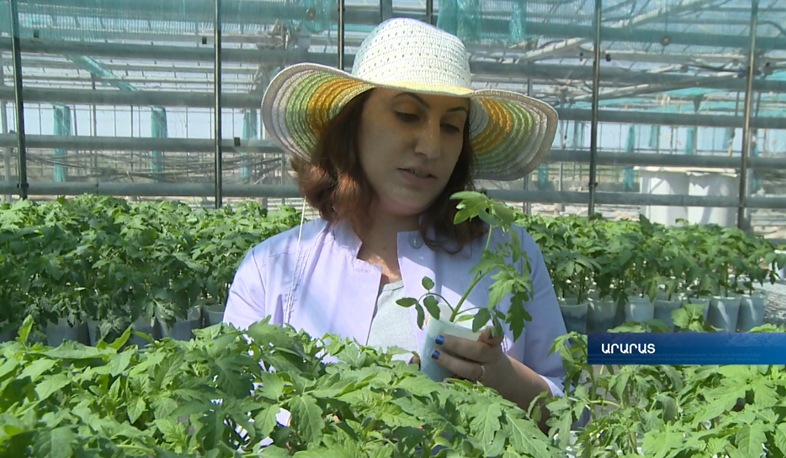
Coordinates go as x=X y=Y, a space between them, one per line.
x=482 y=360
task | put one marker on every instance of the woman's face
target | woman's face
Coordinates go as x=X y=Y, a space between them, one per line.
x=408 y=145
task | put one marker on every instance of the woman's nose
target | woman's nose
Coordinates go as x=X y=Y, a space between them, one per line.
x=428 y=141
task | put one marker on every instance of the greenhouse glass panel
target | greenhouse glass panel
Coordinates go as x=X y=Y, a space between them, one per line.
x=107 y=87
x=671 y=84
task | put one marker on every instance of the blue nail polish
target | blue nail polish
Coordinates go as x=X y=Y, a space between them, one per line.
x=439 y=340
x=435 y=354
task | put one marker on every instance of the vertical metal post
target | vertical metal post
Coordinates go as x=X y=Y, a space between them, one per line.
x=385 y=10
x=430 y=11
x=593 y=184
x=93 y=158
x=341 y=34
x=19 y=102
x=217 y=113
x=528 y=178
x=746 y=123
x=4 y=130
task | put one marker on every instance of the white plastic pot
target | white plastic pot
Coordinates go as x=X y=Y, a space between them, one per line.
x=574 y=315
x=723 y=312
x=751 y=311
x=434 y=328
x=214 y=314
x=56 y=333
x=93 y=331
x=601 y=315
x=662 y=308
x=639 y=309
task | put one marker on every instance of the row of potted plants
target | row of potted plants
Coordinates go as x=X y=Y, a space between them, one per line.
x=607 y=272
x=738 y=313
x=113 y=261
x=98 y=258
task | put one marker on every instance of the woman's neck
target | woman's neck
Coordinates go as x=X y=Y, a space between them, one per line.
x=379 y=243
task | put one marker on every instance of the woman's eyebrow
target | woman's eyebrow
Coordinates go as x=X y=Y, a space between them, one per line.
x=424 y=103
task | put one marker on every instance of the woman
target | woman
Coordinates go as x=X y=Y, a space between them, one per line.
x=379 y=152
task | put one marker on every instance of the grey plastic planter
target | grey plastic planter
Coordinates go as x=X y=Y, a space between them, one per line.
x=663 y=308
x=214 y=314
x=574 y=315
x=183 y=329
x=150 y=327
x=93 y=331
x=601 y=315
x=7 y=336
x=724 y=312
x=639 y=309
x=56 y=333
x=751 y=311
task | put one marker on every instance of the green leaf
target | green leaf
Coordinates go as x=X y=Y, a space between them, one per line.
x=464 y=317
x=119 y=362
x=212 y=429
x=481 y=319
x=120 y=341
x=421 y=316
x=274 y=451
x=51 y=385
x=163 y=405
x=24 y=330
x=432 y=305
x=750 y=440
x=266 y=421
x=427 y=283
x=526 y=438
x=517 y=316
x=272 y=386
x=721 y=401
x=407 y=301
x=136 y=407
x=173 y=431
x=55 y=443
x=36 y=368
x=485 y=426
x=780 y=438
x=661 y=444
x=384 y=451
x=307 y=418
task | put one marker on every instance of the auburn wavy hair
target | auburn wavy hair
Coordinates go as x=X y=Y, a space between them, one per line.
x=334 y=183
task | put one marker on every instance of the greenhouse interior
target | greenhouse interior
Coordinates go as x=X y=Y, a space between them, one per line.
x=136 y=174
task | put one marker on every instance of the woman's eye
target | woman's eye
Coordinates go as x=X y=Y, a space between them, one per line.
x=407 y=117
x=450 y=128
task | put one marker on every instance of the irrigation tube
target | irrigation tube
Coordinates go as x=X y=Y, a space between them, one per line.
x=19 y=103
x=746 y=126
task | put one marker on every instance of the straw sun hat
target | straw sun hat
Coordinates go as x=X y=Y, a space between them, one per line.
x=509 y=132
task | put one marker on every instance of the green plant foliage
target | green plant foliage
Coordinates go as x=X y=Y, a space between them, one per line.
x=216 y=396
x=617 y=259
x=507 y=264
x=104 y=258
x=670 y=411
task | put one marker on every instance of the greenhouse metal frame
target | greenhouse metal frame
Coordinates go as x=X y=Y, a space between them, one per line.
x=705 y=76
